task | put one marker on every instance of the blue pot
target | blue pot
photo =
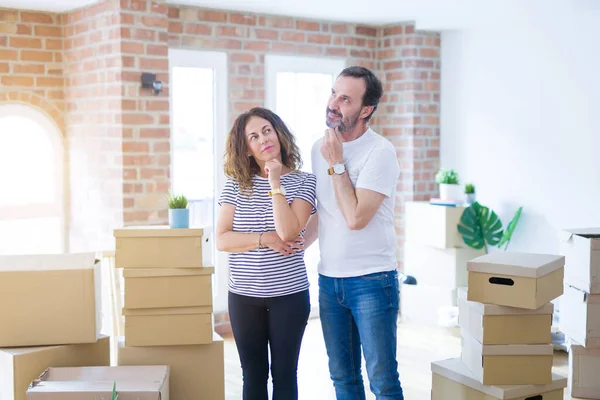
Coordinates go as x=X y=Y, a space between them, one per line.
x=179 y=218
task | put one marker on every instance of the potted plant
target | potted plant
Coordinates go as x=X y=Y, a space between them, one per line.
x=448 y=180
x=469 y=194
x=179 y=214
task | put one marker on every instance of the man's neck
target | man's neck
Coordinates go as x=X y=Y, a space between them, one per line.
x=355 y=133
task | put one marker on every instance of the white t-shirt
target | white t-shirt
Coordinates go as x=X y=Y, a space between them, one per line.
x=372 y=164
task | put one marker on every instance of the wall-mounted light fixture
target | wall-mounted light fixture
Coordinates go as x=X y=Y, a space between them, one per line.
x=149 y=82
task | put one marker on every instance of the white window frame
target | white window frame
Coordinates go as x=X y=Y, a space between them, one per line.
x=59 y=207
x=216 y=61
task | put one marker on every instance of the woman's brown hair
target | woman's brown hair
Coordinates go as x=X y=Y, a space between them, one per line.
x=241 y=167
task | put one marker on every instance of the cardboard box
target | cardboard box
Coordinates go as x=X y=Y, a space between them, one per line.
x=433 y=225
x=21 y=365
x=169 y=287
x=492 y=324
x=452 y=380
x=49 y=299
x=581 y=248
x=196 y=372
x=508 y=364
x=426 y=304
x=168 y=326
x=432 y=266
x=522 y=280
x=162 y=247
x=584 y=365
x=581 y=319
x=132 y=383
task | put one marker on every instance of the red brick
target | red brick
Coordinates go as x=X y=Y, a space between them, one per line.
x=283 y=47
x=144 y=34
x=395 y=76
x=360 y=53
x=4 y=68
x=53 y=31
x=198 y=29
x=276 y=22
x=155 y=133
x=157 y=105
x=173 y=12
x=339 y=28
x=135 y=216
x=175 y=27
x=154 y=63
x=429 y=53
x=161 y=147
x=31 y=55
x=410 y=52
x=40 y=18
x=257 y=46
x=240 y=81
x=310 y=50
x=54 y=44
x=337 y=51
x=432 y=85
x=23 y=29
x=235 y=31
x=366 y=31
x=415 y=41
x=8 y=55
x=132 y=47
x=267 y=34
x=308 y=26
x=151 y=173
x=409 y=29
x=243 y=57
x=49 y=82
x=393 y=30
x=157 y=50
x=319 y=39
x=135 y=147
x=293 y=37
x=9 y=15
x=242 y=19
x=13 y=80
x=135 y=5
x=392 y=65
x=155 y=22
x=25 y=43
x=213 y=16
x=137 y=119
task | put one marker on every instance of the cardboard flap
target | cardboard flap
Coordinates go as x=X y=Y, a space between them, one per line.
x=169 y=311
x=158 y=231
x=48 y=262
x=493 y=309
x=455 y=370
x=97 y=387
x=529 y=265
x=163 y=272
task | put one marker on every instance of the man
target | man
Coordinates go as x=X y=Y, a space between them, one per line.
x=356 y=171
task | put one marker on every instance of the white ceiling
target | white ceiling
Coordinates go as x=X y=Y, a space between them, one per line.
x=431 y=14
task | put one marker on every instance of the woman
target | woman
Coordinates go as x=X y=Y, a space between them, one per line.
x=265 y=205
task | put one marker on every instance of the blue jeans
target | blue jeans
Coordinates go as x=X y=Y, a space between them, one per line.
x=363 y=311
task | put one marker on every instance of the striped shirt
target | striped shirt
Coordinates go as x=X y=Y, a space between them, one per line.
x=265 y=272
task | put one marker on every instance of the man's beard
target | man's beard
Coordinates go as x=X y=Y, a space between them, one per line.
x=343 y=124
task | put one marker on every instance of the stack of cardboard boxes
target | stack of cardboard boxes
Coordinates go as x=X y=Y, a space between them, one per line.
x=168 y=308
x=49 y=317
x=505 y=318
x=580 y=309
x=436 y=255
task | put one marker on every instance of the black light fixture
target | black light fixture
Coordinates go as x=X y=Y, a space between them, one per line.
x=149 y=82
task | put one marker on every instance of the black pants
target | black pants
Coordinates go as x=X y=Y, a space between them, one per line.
x=277 y=323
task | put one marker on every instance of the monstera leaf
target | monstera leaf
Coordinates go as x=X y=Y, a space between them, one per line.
x=510 y=228
x=480 y=227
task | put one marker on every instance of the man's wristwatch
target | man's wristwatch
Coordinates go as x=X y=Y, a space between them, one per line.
x=338 y=169
x=279 y=190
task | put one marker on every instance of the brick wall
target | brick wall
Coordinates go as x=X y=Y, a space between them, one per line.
x=409 y=64
x=31 y=69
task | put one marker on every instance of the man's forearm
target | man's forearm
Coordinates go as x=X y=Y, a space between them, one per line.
x=345 y=196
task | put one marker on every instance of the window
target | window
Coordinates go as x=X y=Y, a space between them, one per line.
x=297 y=89
x=198 y=91
x=32 y=217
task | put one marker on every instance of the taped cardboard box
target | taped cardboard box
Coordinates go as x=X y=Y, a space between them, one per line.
x=522 y=280
x=581 y=319
x=452 y=380
x=169 y=287
x=432 y=266
x=21 y=365
x=492 y=324
x=168 y=326
x=433 y=225
x=581 y=248
x=508 y=364
x=132 y=383
x=163 y=247
x=584 y=365
x=195 y=372
x=49 y=299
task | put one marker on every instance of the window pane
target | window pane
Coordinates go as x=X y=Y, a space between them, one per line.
x=27 y=163
x=30 y=236
x=193 y=140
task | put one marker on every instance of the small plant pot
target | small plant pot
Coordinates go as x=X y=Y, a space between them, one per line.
x=450 y=192
x=469 y=198
x=179 y=218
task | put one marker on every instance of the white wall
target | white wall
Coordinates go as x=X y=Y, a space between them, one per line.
x=520 y=118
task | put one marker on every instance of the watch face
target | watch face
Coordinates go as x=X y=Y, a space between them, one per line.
x=339 y=168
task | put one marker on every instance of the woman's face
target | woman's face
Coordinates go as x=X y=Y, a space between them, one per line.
x=262 y=140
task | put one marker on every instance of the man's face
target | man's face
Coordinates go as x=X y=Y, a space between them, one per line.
x=345 y=104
